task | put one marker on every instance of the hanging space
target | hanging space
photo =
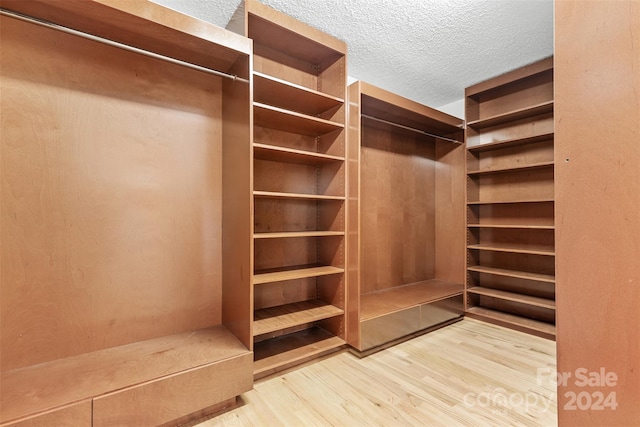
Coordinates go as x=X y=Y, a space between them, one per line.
x=406 y=218
x=125 y=215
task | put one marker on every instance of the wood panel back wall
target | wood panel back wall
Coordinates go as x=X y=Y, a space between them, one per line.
x=398 y=244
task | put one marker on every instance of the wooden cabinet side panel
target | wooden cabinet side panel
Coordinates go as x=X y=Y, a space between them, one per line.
x=597 y=118
x=237 y=206
x=353 y=216
x=450 y=234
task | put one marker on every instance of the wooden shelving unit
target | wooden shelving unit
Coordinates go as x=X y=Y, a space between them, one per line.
x=510 y=200
x=406 y=245
x=126 y=230
x=299 y=188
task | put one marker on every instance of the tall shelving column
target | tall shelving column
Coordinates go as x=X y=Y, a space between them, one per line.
x=510 y=204
x=299 y=189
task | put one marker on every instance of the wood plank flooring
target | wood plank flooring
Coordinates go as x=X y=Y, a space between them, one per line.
x=468 y=374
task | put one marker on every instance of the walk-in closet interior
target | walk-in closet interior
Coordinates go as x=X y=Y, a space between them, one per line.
x=187 y=209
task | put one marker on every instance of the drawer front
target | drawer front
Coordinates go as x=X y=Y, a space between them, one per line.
x=175 y=397
x=381 y=330
x=440 y=311
x=76 y=415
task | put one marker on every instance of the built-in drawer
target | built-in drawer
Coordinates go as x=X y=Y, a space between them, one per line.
x=172 y=398
x=389 y=327
x=75 y=415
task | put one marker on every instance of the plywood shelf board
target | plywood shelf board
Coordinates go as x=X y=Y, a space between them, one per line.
x=496 y=145
x=513 y=226
x=511 y=77
x=289 y=155
x=522 y=113
x=514 y=201
x=293 y=234
x=515 y=168
x=514 y=297
x=291 y=96
x=517 y=249
x=290 y=121
x=290 y=36
x=174 y=35
x=380 y=303
x=292 y=273
x=297 y=196
x=281 y=317
x=385 y=105
x=292 y=349
x=539 y=277
x=41 y=387
x=522 y=323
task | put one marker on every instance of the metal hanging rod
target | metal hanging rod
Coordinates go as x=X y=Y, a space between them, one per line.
x=122 y=46
x=412 y=129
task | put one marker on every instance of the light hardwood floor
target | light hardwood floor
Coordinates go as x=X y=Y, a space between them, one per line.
x=467 y=374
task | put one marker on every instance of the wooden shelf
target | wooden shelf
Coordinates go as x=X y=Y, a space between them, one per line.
x=512 y=169
x=289 y=315
x=286 y=35
x=380 y=303
x=297 y=196
x=513 y=226
x=291 y=121
x=289 y=350
x=273 y=91
x=291 y=234
x=515 y=201
x=516 y=249
x=292 y=273
x=289 y=155
x=496 y=145
x=514 y=297
x=40 y=387
x=539 y=277
x=516 y=322
x=522 y=113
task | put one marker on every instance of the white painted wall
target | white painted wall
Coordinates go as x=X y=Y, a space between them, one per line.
x=455 y=108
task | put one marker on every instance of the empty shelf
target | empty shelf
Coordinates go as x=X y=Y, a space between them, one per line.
x=284 y=94
x=542 y=108
x=289 y=350
x=291 y=155
x=277 y=195
x=299 y=272
x=291 y=121
x=524 y=324
x=518 y=249
x=291 y=234
x=514 y=297
x=512 y=168
x=289 y=315
x=513 y=226
x=496 y=202
x=539 y=277
x=496 y=145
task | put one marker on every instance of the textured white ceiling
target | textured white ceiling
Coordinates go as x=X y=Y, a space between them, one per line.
x=425 y=50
